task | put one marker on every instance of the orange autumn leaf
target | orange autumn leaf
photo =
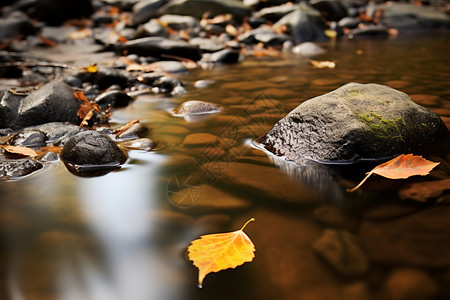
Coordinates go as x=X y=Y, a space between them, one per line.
x=401 y=167
x=220 y=251
x=21 y=150
x=86 y=110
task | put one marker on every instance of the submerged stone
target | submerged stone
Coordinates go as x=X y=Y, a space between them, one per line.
x=355 y=121
x=13 y=168
x=196 y=107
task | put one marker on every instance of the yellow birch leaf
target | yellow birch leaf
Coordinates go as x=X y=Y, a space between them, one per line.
x=220 y=251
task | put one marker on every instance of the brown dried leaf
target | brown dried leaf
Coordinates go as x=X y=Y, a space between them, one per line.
x=80 y=34
x=21 y=150
x=323 y=64
x=87 y=117
x=125 y=127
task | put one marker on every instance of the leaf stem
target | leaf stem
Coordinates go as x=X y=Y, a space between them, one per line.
x=361 y=183
x=251 y=220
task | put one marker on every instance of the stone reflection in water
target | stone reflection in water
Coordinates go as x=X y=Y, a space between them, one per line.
x=117 y=207
x=320 y=178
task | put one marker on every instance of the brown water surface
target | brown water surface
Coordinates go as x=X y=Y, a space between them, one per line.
x=123 y=236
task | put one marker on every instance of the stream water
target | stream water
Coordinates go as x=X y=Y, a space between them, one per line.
x=124 y=235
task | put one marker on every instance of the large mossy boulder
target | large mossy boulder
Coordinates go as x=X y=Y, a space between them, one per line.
x=355 y=121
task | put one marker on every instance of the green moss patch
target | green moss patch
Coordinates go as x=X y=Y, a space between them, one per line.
x=381 y=127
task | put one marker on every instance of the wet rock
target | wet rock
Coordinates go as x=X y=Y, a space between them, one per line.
x=13 y=168
x=151 y=28
x=274 y=13
x=9 y=107
x=177 y=22
x=144 y=144
x=225 y=56
x=332 y=10
x=29 y=138
x=196 y=8
x=173 y=67
x=349 y=22
x=419 y=239
x=48 y=157
x=56 y=132
x=55 y=12
x=353 y=122
x=146 y=10
x=260 y=181
x=136 y=130
x=304 y=24
x=200 y=139
x=113 y=98
x=15 y=25
x=106 y=77
x=168 y=84
x=342 y=252
x=200 y=84
x=207 y=198
x=207 y=45
x=196 y=107
x=410 y=284
x=156 y=46
x=424 y=191
x=91 y=149
x=409 y=16
x=308 y=49
x=369 y=31
x=53 y=102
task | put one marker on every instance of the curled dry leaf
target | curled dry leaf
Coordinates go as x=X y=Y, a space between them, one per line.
x=20 y=150
x=125 y=127
x=220 y=251
x=87 y=108
x=323 y=64
x=401 y=167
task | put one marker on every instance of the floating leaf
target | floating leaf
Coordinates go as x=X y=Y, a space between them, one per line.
x=220 y=251
x=401 y=167
x=22 y=151
x=323 y=64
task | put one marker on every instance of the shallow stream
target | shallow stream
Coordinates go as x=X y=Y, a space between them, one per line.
x=124 y=235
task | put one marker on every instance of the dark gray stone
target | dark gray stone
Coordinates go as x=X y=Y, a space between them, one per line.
x=113 y=98
x=13 y=168
x=14 y=26
x=356 y=121
x=92 y=148
x=156 y=46
x=274 y=13
x=305 y=25
x=332 y=10
x=225 y=56
x=196 y=8
x=146 y=10
x=58 y=132
x=409 y=16
x=370 y=31
x=53 y=102
x=29 y=138
x=106 y=77
x=55 y=12
x=177 y=22
x=9 y=108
